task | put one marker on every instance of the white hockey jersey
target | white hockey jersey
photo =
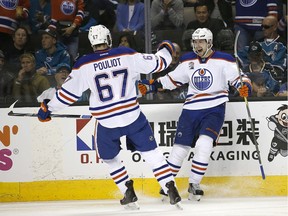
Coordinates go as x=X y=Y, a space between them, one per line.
x=111 y=76
x=47 y=94
x=208 y=79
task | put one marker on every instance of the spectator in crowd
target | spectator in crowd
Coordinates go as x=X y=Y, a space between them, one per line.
x=19 y=45
x=167 y=14
x=248 y=19
x=283 y=92
x=52 y=53
x=130 y=16
x=259 y=88
x=12 y=13
x=259 y=66
x=274 y=48
x=90 y=16
x=190 y=3
x=282 y=26
x=66 y=18
x=225 y=40
x=203 y=20
x=179 y=93
x=219 y=9
x=128 y=40
x=6 y=79
x=99 y=12
x=39 y=15
x=29 y=84
x=62 y=72
x=222 y=9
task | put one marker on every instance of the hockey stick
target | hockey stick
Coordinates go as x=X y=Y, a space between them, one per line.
x=11 y=113
x=247 y=107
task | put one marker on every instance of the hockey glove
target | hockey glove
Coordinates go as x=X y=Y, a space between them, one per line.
x=168 y=45
x=244 y=91
x=44 y=113
x=148 y=86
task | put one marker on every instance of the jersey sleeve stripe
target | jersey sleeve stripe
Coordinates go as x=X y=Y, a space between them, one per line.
x=178 y=84
x=66 y=97
x=62 y=101
x=159 y=65
x=69 y=93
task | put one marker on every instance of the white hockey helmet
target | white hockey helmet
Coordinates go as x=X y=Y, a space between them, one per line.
x=99 y=34
x=202 y=33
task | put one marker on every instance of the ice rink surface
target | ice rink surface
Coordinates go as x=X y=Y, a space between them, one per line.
x=251 y=206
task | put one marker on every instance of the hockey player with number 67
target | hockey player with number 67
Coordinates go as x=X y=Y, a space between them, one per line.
x=111 y=74
x=208 y=74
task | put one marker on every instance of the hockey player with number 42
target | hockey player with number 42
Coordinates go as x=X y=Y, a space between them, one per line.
x=208 y=74
x=111 y=74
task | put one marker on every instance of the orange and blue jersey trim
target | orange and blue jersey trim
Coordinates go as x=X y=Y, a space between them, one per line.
x=115 y=109
x=66 y=97
x=205 y=97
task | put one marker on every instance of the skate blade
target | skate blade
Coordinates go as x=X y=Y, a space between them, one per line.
x=132 y=206
x=194 y=197
x=164 y=199
x=179 y=206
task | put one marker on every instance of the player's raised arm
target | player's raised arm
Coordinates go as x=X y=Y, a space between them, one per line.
x=153 y=63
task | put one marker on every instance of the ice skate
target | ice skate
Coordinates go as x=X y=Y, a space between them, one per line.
x=164 y=196
x=173 y=195
x=130 y=199
x=271 y=157
x=195 y=192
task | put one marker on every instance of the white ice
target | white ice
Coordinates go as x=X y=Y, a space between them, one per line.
x=250 y=206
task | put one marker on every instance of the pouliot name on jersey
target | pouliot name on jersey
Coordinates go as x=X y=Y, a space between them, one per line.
x=107 y=64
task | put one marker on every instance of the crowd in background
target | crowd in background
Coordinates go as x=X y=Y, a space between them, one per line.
x=39 y=39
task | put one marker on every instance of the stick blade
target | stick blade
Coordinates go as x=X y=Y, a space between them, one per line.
x=262 y=172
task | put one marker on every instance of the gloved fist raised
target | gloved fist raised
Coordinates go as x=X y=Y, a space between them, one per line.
x=44 y=113
x=244 y=91
x=148 y=86
x=168 y=45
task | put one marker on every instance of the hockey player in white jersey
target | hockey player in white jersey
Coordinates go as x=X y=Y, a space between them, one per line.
x=208 y=74
x=111 y=74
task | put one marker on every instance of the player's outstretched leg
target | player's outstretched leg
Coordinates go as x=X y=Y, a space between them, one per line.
x=195 y=191
x=173 y=193
x=130 y=198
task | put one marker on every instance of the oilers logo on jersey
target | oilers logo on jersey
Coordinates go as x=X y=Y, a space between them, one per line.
x=202 y=79
x=67 y=7
x=247 y=3
x=9 y=4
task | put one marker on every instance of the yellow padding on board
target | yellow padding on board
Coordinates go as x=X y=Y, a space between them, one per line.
x=106 y=189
